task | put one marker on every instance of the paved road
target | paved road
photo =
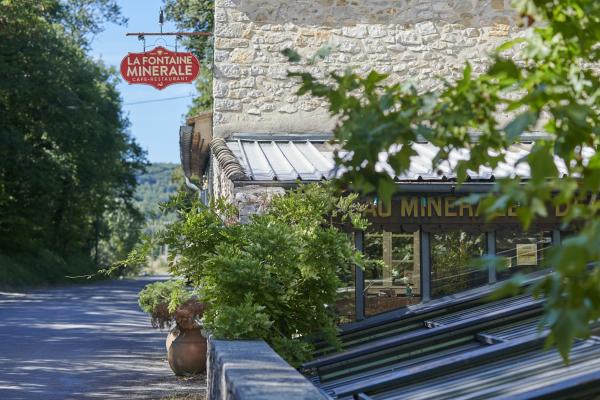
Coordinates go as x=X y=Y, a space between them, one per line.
x=84 y=342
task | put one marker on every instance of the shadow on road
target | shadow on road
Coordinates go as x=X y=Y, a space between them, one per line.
x=84 y=342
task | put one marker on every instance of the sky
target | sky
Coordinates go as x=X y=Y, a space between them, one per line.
x=154 y=122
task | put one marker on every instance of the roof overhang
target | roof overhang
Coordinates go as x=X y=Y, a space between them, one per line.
x=194 y=140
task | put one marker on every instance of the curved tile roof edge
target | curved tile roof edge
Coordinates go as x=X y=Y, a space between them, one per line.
x=227 y=160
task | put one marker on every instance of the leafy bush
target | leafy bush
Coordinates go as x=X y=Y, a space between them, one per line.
x=161 y=300
x=275 y=277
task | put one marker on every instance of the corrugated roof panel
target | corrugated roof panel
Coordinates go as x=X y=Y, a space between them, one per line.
x=236 y=148
x=317 y=158
x=259 y=167
x=478 y=311
x=280 y=166
x=518 y=330
x=306 y=171
x=504 y=378
x=461 y=348
x=312 y=160
x=421 y=164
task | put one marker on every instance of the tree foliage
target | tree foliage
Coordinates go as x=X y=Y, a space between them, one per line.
x=196 y=16
x=82 y=19
x=155 y=186
x=554 y=86
x=67 y=165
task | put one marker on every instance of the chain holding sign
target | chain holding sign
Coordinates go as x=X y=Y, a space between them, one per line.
x=161 y=67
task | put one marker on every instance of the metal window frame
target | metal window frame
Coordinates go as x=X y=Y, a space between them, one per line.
x=425 y=267
x=359 y=284
x=491 y=251
x=425 y=244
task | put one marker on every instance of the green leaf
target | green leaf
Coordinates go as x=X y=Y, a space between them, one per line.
x=386 y=189
x=578 y=114
x=292 y=55
x=509 y=44
x=506 y=68
x=538 y=207
x=519 y=124
x=541 y=163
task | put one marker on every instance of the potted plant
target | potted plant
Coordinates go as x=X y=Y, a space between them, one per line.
x=171 y=304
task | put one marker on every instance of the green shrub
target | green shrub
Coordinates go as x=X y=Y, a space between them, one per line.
x=161 y=299
x=275 y=277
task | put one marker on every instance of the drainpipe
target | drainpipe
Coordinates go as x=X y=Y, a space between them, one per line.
x=202 y=193
x=190 y=185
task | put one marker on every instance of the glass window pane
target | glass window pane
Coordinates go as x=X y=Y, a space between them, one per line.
x=451 y=253
x=524 y=251
x=374 y=254
x=345 y=306
x=392 y=271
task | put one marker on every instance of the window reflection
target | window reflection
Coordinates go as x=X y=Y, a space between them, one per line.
x=392 y=271
x=523 y=251
x=451 y=254
x=345 y=305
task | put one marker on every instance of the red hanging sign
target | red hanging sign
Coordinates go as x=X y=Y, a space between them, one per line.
x=160 y=68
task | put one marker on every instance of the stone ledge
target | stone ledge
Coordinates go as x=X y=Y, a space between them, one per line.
x=251 y=370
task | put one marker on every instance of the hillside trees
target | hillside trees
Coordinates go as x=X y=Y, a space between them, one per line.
x=66 y=162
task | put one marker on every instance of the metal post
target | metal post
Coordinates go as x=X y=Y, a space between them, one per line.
x=491 y=251
x=425 y=267
x=555 y=237
x=359 y=284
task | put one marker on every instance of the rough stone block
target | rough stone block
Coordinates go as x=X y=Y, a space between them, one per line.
x=241 y=56
x=377 y=31
x=220 y=89
x=498 y=4
x=227 y=105
x=230 y=30
x=408 y=38
x=348 y=46
x=247 y=82
x=426 y=28
x=288 y=109
x=220 y=15
x=255 y=70
x=251 y=370
x=359 y=31
x=224 y=43
x=228 y=71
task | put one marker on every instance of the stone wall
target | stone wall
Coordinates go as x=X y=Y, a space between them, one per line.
x=219 y=185
x=416 y=40
x=251 y=370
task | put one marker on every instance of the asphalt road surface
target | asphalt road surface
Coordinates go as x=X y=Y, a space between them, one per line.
x=85 y=342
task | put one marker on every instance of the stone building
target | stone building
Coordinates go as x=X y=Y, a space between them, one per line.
x=265 y=138
x=412 y=40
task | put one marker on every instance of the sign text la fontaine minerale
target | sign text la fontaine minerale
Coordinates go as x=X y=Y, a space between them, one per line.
x=160 y=67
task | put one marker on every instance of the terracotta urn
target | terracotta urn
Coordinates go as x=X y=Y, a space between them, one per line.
x=171 y=336
x=187 y=354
